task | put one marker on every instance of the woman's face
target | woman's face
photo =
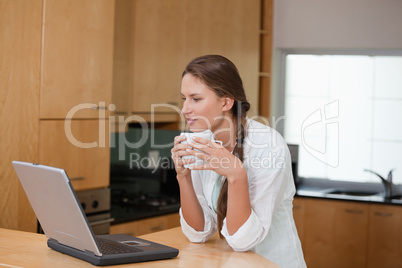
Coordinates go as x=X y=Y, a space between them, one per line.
x=202 y=108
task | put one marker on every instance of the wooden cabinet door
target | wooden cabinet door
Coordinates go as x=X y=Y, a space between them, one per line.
x=146 y=226
x=81 y=147
x=121 y=57
x=158 y=46
x=335 y=234
x=229 y=28
x=299 y=215
x=158 y=224
x=77 y=57
x=385 y=236
x=168 y=34
x=20 y=42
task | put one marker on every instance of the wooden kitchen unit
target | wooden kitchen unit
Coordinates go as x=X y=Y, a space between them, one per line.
x=81 y=147
x=74 y=58
x=339 y=233
x=299 y=212
x=338 y=228
x=77 y=57
x=384 y=236
x=55 y=55
x=76 y=89
x=20 y=45
x=161 y=37
x=146 y=226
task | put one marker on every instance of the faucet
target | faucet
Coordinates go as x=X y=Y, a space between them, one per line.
x=386 y=182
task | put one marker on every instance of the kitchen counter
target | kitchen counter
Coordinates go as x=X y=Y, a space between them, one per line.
x=23 y=249
x=325 y=193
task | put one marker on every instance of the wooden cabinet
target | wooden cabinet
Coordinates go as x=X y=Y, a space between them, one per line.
x=77 y=57
x=299 y=215
x=385 y=236
x=335 y=233
x=122 y=68
x=58 y=55
x=265 y=58
x=146 y=226
x=55 y=55
x=81 y=147
x=20 y=45
x=349 y=234
x=77 y=65
x=165 y=35
x=229 y=28
x=158 y=34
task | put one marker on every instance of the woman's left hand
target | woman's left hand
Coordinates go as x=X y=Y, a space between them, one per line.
x=216 y=158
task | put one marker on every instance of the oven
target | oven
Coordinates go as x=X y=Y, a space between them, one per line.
x=96 y=205
x=142 y=176
x=140 y=194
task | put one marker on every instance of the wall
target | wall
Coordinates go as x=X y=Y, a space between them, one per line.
x=330 y=25
x=368 y=24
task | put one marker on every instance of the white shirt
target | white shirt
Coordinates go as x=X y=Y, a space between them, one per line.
x=270 y=230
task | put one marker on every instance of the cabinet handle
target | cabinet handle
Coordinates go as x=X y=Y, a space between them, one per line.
x=383 y=214
x=156 y=228
x=354 y=211
x=77 y=178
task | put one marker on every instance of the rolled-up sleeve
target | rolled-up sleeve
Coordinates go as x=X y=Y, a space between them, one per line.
x=198 y=236
x=247 y=236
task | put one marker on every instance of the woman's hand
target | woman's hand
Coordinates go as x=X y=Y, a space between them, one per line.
x=178 y=151
x=216 y=158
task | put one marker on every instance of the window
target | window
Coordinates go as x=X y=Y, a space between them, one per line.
x=345 y=112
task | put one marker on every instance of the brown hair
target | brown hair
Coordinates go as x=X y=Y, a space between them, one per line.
x=222 y=76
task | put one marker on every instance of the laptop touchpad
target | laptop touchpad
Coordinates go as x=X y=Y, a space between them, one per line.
x=133 y=243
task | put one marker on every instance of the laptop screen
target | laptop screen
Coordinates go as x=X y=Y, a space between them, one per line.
x=56 y=205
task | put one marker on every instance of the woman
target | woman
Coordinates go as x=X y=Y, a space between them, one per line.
x=245 y=188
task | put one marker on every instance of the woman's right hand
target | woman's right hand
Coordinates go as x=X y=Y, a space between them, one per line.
x=178 y=151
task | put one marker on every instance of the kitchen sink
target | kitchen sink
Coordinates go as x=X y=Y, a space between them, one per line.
x=352 y=193
x=397 y=197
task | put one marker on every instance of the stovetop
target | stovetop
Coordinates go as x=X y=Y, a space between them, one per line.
x=128 y=205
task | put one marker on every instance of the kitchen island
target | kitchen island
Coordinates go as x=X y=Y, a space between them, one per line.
x=23 y=249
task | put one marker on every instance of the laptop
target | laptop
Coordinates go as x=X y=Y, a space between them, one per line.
x=65 y=225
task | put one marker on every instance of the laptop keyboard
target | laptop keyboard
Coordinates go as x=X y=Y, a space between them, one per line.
x=109 y=247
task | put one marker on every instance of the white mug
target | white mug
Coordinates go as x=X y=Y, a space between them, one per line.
x=207 y=134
